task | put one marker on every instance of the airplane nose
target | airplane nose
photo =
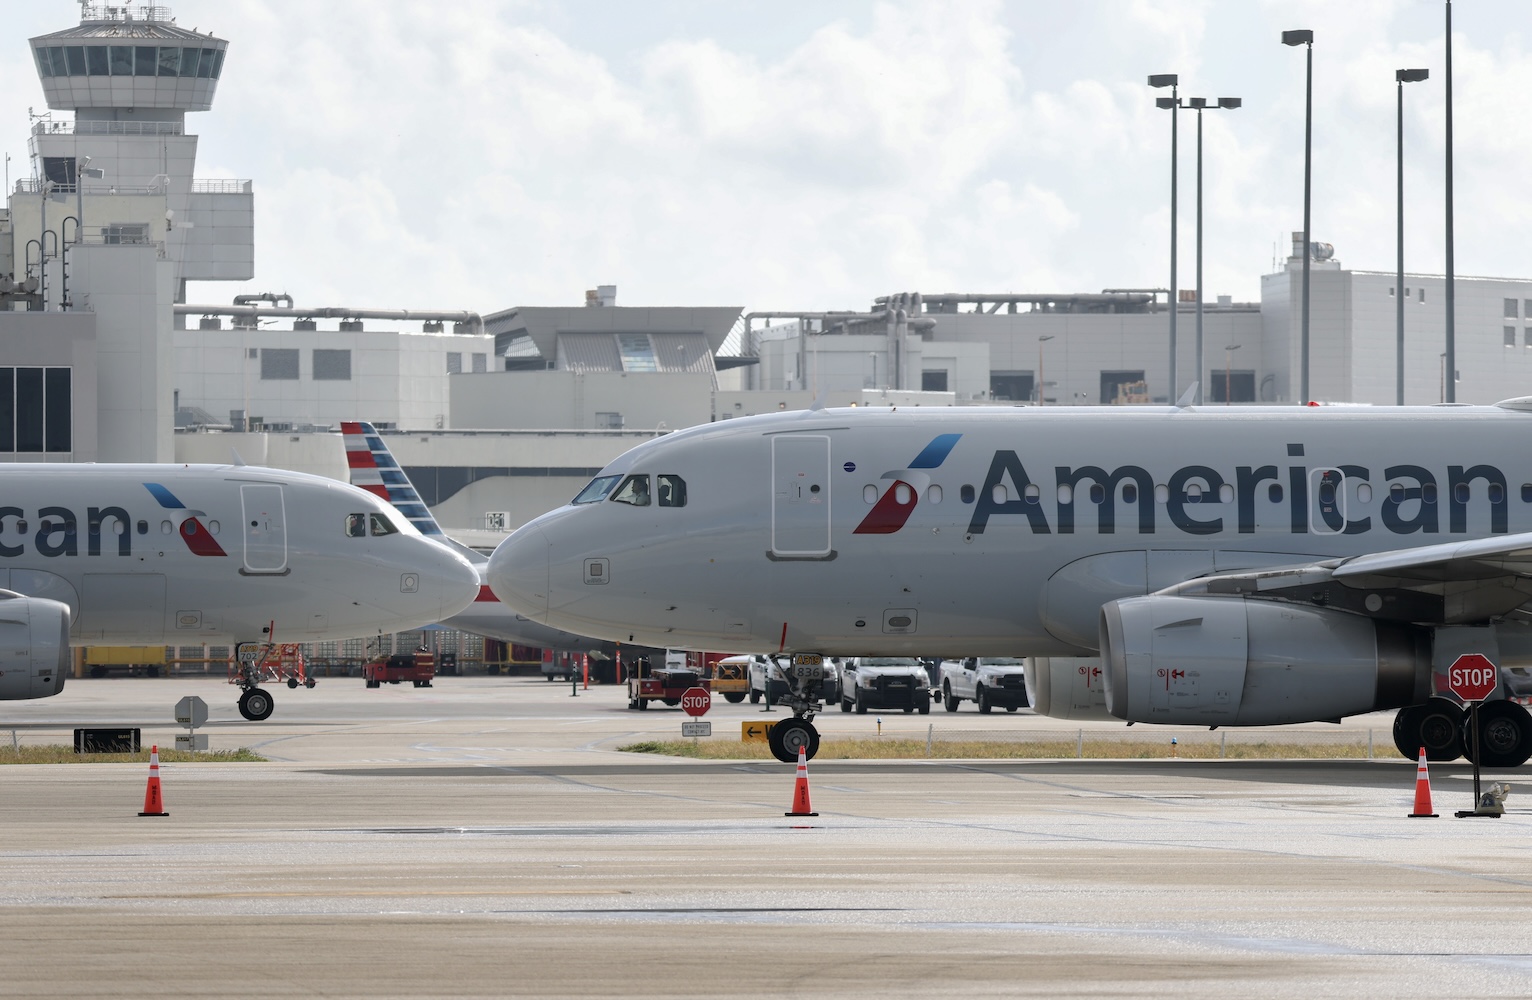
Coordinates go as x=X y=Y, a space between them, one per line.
x=453 y=577
x=518 y=572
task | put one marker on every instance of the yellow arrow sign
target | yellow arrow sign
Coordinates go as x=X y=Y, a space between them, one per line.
x=753 y=732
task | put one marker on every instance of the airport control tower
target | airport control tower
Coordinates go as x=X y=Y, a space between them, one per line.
x=98 y=244
x=123 y=169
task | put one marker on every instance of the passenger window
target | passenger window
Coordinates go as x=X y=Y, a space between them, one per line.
x=966 y=494
x=634 y=490
x=672 y=490
x=382 y=526
x=870 y=493
x=356 y=525
x=934 y=493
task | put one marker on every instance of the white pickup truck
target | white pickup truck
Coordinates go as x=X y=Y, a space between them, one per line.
x=986 y=681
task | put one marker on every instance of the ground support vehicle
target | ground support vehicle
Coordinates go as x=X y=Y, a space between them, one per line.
x=418 y=668
x=256 y=662
x=767 y=680
x=667 y=684
x=885 y=682
x=731 y=678
x=987 y=681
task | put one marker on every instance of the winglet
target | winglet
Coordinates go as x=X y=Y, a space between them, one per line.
x=1188 y=397
x=237 y=460
x=819 y=400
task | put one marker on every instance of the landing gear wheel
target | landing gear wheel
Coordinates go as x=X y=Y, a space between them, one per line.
x=734 y=697
x=786 y=737
x=982 y=700
x=255 y=705
x=948 y=702
x=1505 y=735
x=1437 y=725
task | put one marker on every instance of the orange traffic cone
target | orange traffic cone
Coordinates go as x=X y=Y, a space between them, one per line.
x=154 y=804
x=801 y=805
x=1422 y=790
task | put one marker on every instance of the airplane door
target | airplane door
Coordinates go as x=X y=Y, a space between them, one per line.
x=1327 y=501
x=265 y=529
x=800 y=502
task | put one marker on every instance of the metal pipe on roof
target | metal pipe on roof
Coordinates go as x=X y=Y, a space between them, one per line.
x=272 y=297
x=336 y=312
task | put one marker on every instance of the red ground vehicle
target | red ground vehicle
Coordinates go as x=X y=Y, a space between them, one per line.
x=417 y=667
x=666 y=683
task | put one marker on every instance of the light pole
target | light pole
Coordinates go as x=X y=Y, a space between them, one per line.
x=1228 y=350
x=1040 y=385
x=1450 y=391
x=1199 y=103
x=1173 y=104
x=1402 y=77
x=1305 y=37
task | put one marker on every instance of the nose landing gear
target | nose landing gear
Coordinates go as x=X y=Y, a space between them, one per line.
x=806 y=682
x=256 y=662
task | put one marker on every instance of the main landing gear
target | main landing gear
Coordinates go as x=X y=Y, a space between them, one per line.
x=805 y=684
x=1505 y=733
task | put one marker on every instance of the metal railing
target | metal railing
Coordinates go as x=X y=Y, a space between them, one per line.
x=123 y=12
x=108 y=127
x=221 y=185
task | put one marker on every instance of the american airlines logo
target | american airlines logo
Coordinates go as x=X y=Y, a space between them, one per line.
x=58 y=529
x=899 y=501
x=1201 y=500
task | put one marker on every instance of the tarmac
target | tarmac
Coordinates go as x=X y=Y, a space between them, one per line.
x=485 y=838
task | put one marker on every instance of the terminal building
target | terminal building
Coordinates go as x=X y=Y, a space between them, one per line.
x=500 y=413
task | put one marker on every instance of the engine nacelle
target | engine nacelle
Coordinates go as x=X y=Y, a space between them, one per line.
x=34 y=646
x=1067 y=687
x=1229 y=661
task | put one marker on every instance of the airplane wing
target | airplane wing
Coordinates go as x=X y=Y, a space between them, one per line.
x=1458 y=583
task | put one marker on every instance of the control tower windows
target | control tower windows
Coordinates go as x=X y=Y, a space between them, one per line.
x=56 y=57
x=44 y=64
x=122 y=59
x=145 y=59
x=170 y=61
x=205 y=67
x=189 y=58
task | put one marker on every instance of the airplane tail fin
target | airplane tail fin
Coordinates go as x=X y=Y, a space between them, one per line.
x=373 y=469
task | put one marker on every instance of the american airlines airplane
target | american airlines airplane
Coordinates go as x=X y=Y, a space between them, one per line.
x=374 y=469
x=1218 y=566
x=190 y=554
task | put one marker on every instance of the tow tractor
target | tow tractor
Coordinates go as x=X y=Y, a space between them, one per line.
x=255 y=662
x=418 y=668
x=806 y=682
x=667 y=683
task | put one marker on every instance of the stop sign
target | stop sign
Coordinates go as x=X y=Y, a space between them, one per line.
x=1472 y=677
x=696 y=701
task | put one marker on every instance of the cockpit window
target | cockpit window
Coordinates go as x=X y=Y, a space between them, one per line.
x=672 y=490
x=382 y=525
x=634 y=490
x=356 y=525
x=597 y=489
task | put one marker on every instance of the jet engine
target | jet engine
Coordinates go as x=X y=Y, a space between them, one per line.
x=1067 y=687
x=1230 y=661
x=34 y=646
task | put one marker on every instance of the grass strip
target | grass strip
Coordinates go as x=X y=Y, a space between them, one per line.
x=902 y=749
x=61 y=754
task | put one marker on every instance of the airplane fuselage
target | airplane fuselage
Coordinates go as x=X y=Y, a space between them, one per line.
x=171 y=554
x=996 y=530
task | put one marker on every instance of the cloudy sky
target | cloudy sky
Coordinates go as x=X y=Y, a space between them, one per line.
x=799 y=154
